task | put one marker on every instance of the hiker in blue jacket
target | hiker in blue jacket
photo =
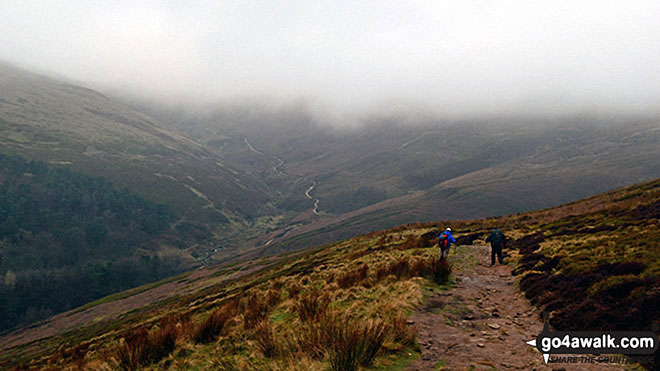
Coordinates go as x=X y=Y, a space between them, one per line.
x=444 y=241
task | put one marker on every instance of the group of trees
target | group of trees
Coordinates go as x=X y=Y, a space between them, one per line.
x=67 y=238
x=35 y=294
x=37 y=198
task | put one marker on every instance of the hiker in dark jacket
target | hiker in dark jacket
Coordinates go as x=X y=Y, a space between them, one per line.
x=444 y=241
x=497 y=243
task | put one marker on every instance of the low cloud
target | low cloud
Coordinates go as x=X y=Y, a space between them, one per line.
x=352 y=58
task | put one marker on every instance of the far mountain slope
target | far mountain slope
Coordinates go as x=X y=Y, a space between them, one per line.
x=67 y=125
x=398 y=170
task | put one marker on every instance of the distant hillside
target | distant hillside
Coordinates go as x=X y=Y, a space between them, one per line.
x=251 y=176
x=593 y=264
x=68 y=125
x=395 y=170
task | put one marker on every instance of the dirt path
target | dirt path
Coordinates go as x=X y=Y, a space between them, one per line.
x=482 y=322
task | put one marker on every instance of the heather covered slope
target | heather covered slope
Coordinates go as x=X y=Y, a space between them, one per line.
x=594 y=264
x=270 y=312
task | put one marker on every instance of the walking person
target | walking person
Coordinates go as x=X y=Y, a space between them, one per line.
x=497 y=243
x=444 y=241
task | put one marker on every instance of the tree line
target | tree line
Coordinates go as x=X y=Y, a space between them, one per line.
x=67 y=238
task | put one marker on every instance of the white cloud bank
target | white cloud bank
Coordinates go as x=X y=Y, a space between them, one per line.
x=452 y=57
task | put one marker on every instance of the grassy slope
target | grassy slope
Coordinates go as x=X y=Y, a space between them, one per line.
x=46 y=119
x=603 y=250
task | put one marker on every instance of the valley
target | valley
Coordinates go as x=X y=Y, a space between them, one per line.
x=233 y=170
x=252 y=184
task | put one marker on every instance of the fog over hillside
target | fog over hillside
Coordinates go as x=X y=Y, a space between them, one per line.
x=346 y=59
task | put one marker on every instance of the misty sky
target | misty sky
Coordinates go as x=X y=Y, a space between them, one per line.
x=362 y=56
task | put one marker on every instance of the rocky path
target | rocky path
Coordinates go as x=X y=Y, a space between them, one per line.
x=482 y=322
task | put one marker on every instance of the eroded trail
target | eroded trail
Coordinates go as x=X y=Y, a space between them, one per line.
x=482 y=322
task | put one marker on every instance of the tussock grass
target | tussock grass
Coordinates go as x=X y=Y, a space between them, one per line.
x=255 y=309
x=434 y=268
x=352 y=343
x=402 y=332
x=294 y=289
x=266 y=341
x=312 y=306
x=353 y=277
x=209 y=329
x=437 y=269
x=344 y=341
x=141 y=347
x=273 y=297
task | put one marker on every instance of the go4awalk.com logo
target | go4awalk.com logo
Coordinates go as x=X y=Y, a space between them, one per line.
x=637 y=343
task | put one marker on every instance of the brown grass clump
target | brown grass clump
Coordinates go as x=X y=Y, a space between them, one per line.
x=277 y=284
x=273 y=297
x=141 y=347
x=409 y=243
x=436 y=269
x=381 y=272
x=294 y=289
x=400 y=269
x=209 y=329
x=351 y=343
x=346 y=342
x=312 y=307
x=423 y=241
x=402 y=332
x=419 y=267
x=75 y=354
x=353 y=277
x=255 y=309
x=265 y=339
x=310 y=340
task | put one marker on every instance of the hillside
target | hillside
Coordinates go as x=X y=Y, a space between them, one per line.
x=250 y=177
x=67 y=239
x=593 y=264
x=67 y=125
x=399 y=170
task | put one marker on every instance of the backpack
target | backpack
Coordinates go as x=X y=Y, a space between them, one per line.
x=497 y=238
x=443 y=241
